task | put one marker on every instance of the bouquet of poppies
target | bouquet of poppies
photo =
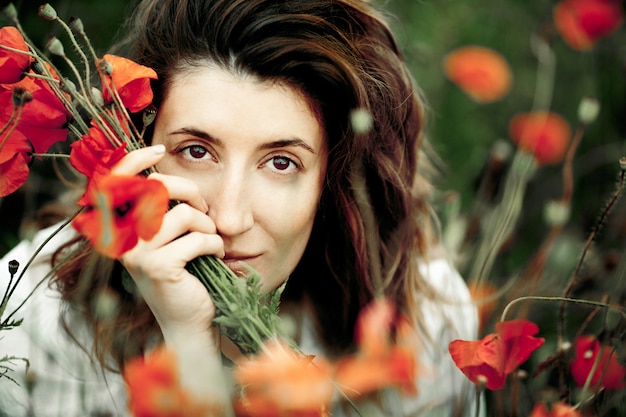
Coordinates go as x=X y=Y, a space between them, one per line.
x=103 y=120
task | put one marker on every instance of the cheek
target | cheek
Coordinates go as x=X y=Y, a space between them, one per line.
x=289 y=226
x=290 y=222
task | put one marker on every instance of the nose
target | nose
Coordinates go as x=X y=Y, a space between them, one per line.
x=230 y=205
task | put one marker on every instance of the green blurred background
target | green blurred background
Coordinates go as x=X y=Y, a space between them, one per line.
x=461 y=131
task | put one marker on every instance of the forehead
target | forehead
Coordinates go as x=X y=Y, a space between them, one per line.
x=220 y=96
x=189 y=68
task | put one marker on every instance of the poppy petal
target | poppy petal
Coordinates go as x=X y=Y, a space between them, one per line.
x=478 y=361
x=518 y=340
x=13 y=174
x=13 y=64
x=120 y=210
x=132 y=82
x=95 y=153
x=609 y=373
x=582 y=23
x=482 y=73
x=544 y=134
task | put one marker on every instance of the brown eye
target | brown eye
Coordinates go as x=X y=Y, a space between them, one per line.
x=197 y=152
x=281 y=163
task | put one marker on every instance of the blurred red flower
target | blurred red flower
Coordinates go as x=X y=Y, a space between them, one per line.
x=154 y=390
x=132 y=82
x=282 y=382
x=13 y=64
x=44 y=120
x=490 y=360
x=582 y=23
x=482 y=73
x=546 y=135
x=558 y=409
x=119 y=210
x=94 y=152
x=609 y=373
x=14 y=160
x=380 y=361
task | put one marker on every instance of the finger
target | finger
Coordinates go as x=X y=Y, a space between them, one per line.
x=168 y=262
x=182 y=189
x=136 y=161
x=182 y=219
x=194 y=244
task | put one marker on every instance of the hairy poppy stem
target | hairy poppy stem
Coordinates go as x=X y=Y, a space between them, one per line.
x=612 y=307
x=30 y=261
x=603 y=216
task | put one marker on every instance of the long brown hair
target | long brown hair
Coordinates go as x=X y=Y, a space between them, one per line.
x=372 y=223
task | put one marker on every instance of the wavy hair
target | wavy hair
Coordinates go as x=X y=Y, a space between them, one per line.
x=372 y=224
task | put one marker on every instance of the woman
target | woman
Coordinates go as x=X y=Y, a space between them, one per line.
x=253 y=136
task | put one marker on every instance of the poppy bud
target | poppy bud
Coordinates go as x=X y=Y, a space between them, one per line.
x=38 y=68
x=96 y=96
x=13 y=266
x=501 y=151
x=68 y=86
x=77 y=25
x=47 y=12
x=106 y=304
x=622 y=163
x=10 y=12
x=149 y=114
x=588 y=110
x=105 y=66
x=361 y=121
x=556 y=213
x=55 y=46
x=21 y=96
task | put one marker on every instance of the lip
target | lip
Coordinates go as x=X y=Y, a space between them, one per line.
x=239 y=264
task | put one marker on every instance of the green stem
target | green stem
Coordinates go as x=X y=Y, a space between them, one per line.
x=15 y=114
x=32 y=258
x=563 y=300
x=546 y=69
x=51 y=155
x=85 y=87
x=501 y=222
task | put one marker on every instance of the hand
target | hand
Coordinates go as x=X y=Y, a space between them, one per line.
x=181 y=305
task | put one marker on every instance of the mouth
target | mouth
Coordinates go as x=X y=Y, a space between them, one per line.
x=240 y=264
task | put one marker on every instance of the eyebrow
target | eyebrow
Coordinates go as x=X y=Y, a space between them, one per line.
x=282 y=143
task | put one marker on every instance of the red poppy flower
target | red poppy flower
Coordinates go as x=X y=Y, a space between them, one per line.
x=482 y=73
x=120 y=210
x=380 y=362
x=490 y=360
x=546 y=135
x=94 y=152
x=280 y=382
x=609 y=373
x=556 y=410
x=582 y=23
x=14 y=161
x=154 y=390
x=13 y=64
x=44 y=119
x=132 y=82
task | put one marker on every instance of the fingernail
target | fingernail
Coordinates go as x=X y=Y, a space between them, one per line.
x=158 y=149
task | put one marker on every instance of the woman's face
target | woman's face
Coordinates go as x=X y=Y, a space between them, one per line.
x=258 y=154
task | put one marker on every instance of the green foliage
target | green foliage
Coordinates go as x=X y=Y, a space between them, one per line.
x=247 y=316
